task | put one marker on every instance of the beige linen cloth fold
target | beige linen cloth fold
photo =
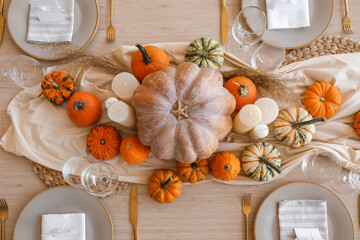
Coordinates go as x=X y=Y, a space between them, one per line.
x=42 y=131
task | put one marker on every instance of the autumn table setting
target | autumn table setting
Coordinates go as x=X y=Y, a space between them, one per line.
x=166 y=108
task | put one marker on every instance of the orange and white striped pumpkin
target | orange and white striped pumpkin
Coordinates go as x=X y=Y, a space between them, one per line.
x=257 y=159
x=295 y=127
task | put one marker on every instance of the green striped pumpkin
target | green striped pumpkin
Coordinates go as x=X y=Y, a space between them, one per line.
x=205 y=52
x=253 y=161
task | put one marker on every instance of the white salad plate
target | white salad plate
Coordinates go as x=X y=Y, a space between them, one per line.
x=340 y=223
x=59 y=200
x=321 y=13
x=86 y=20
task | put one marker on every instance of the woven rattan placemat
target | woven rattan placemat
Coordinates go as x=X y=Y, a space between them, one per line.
x=326 y=45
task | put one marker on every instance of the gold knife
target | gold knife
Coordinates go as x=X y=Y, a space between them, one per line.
x=133 y=211
x=2 y=20
x=224 y=22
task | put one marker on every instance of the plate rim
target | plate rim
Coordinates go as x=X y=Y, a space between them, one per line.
x=63 y=186
x=313 y=183
x=56 y=58
x=316 y=38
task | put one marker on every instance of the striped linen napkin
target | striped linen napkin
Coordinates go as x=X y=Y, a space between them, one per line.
x=51 y=31
x=302 y=214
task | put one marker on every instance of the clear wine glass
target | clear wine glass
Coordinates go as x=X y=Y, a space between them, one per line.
x=347 y=181
x=97 y=178
x=25 y=71
x=322 y=166
x=268 y=56
x=247 y=29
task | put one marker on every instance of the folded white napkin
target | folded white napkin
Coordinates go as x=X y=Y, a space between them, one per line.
x=282 y=14
x=302 y=214
x=63 y=226
x=44 y=23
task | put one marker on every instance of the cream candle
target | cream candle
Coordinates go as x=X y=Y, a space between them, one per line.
x=124 y=85
x=269 y=109
x=247 y=118
x=122 y=113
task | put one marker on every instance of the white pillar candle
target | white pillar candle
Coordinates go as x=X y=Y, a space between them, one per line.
x=259 y=131
x=247 y=118
x=124 y=85
x=109 y=101
x=122 y=114
x=269 y=110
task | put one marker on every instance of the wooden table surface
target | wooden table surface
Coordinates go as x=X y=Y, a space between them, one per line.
x=203 y=211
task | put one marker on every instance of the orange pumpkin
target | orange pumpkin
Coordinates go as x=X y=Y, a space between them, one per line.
x=58 y=87
x=132 y=150
x=225 y=166
x=322 y=99
x=243 y=90
x=84 y=109
x=194 y=172
x=357 y=123
x=147 y=60
x=164 y=186
x=103 y=142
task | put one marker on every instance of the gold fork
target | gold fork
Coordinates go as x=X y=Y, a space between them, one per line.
x=111 y=30
x=3 y=216
x=346 y=20
x=246 y=208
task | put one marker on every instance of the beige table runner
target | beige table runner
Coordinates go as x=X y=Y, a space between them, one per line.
x=42 y=132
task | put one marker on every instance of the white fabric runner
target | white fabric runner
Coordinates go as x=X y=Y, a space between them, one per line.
x=42 y=131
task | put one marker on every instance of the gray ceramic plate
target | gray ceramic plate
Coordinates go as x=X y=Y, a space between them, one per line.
x=64 y=200
x=321 y=13
x=86 y=18
x=340 y=222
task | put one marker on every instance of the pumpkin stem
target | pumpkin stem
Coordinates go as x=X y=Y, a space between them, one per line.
x=78 y=105
x=243 y=90
x=146 y=57
x=102 y=141
x=267 y=162
x=56 y=85
x=164 y=185
x=227 y=167
x=322 y=99
x=312 y=121
x=194 y=166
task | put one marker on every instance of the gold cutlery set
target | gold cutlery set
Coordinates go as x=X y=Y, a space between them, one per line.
x=111 y=34
x=346 y=23
x=134 y=212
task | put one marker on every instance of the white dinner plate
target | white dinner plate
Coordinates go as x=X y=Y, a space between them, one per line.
x=321 y=13
x=64 y=199
x=340 y=223
x=86 y=18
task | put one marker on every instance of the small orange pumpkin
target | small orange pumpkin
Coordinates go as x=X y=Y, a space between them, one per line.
x=164 y=186
x=357 y=123
x=243 y=90
x=84 y=109
x=322 y=99
x=147 y=60
x=225 y=166
x=132 y=150
x=103 y=141
x=58 y=87
x=194 y=172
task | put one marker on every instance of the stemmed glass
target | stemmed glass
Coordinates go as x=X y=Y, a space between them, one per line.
x=324 y=166
x=268 y=56
x=97 y=178
x=248 y=28
x=25 y=71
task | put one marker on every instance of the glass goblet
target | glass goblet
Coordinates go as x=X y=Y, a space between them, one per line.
x=347 y=181
x=248 y=27
x=25 y=71
x=268 y=56
x=322 y=166
x=99 y=179
x=72 y=170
